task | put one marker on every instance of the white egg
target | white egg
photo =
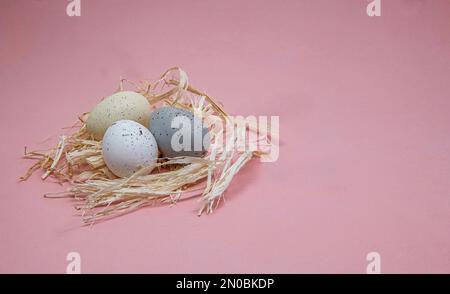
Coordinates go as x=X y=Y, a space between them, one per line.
x=127 y=147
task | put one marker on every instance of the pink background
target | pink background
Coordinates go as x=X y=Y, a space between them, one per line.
x=364 y=105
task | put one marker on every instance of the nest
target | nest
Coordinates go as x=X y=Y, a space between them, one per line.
x=78 y=159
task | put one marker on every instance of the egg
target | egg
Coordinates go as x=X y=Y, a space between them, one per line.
x=173 y=128
x=127 y=147
x=122 y=105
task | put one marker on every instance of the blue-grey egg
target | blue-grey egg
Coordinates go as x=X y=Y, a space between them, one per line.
x=178 y=132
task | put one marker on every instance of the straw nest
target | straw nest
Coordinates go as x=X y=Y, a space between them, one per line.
x=77 y=159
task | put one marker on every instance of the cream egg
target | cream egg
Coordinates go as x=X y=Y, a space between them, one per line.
x=122 y=105
x=127 y=147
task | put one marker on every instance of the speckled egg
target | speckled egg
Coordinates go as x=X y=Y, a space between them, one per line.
x=171 y=126
x=127 y=147
x=122 y=105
